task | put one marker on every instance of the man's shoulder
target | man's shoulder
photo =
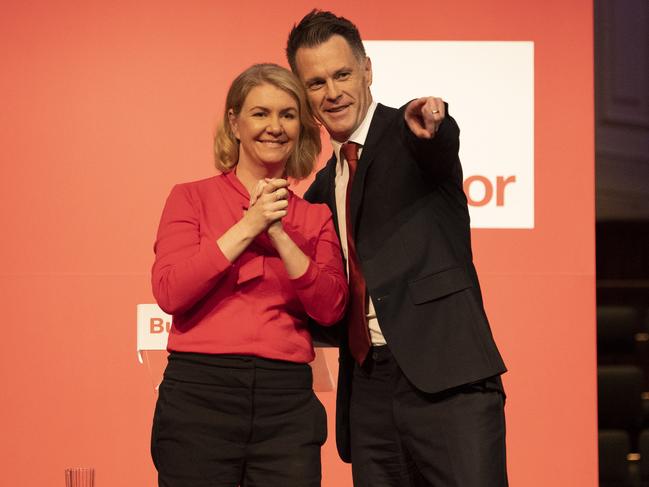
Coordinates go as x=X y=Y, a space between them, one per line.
x=387 y=123
x=386 y=117
x=385 y=112
x=303 y=209
x=318 y=190
x=380 y=107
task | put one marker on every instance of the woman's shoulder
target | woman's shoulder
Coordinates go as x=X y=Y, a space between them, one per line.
x=200 y=188
x=200 y=184
x=309 y=212
x=305 y=205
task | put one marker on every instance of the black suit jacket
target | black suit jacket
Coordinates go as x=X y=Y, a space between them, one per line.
x=411 y=229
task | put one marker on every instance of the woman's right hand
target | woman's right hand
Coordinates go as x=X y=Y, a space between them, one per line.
x=268 y=204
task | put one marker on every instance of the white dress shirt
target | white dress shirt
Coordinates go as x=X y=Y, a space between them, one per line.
x=342 y=178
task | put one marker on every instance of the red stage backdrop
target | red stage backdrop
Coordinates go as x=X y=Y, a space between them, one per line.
x=106 y=105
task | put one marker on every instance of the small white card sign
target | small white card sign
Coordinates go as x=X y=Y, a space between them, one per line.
x=153 y=326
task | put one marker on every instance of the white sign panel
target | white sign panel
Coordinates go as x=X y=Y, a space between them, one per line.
x=489 y=87
x=153 y=326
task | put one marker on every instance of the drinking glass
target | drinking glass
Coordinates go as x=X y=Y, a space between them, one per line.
x=80 y=477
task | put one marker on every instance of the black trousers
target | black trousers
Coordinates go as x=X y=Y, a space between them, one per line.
x=402 y=437
x=225 y=421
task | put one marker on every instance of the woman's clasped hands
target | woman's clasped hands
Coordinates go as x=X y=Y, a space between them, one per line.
x=268 y=205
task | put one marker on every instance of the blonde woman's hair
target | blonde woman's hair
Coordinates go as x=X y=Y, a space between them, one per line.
x=226 y=146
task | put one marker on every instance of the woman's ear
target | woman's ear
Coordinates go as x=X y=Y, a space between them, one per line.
x=234 y=126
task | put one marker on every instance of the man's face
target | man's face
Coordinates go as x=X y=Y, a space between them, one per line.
x=337 y=84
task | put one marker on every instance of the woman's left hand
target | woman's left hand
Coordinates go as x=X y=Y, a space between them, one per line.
x=295 y=261
x=275 y=229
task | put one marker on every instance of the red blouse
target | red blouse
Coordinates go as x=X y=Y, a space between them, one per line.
x=249 y=306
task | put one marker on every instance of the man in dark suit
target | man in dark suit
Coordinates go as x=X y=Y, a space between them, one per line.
x=420 y=401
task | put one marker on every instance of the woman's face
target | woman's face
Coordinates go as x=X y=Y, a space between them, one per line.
x=267 y=127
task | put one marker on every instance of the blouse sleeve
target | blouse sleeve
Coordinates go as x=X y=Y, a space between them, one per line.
x=323 y=289
x=186 y=265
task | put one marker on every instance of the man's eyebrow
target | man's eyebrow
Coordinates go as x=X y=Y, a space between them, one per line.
x=339 y=71
x=312 y=79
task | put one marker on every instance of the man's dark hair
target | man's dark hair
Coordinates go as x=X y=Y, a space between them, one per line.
x=316 y=28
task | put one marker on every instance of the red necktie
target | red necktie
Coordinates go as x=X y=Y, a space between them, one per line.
x=359 y=335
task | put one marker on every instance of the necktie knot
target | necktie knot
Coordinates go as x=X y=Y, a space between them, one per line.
x=350 y=151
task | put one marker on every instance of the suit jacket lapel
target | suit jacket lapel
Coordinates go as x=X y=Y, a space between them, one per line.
x=380 y=122
x=330 y=191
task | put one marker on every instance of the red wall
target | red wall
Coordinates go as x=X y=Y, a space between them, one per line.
x=105 y=105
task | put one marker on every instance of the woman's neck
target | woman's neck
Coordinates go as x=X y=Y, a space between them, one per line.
x=250 y=174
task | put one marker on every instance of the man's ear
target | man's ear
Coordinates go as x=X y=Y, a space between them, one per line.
x=234 y=126
x=368 y=70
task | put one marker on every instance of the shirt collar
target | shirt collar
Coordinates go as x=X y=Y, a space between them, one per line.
x=236 y=184
x=358 y=136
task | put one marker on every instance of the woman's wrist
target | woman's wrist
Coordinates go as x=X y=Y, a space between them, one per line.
x=276 y=233
x=249 y=227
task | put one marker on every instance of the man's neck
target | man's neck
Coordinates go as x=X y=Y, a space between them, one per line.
x=360 y=133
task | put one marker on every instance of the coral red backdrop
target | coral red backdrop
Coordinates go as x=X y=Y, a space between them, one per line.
x=105 y=105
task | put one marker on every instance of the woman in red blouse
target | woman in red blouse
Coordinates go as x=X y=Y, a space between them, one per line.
x=242 y=264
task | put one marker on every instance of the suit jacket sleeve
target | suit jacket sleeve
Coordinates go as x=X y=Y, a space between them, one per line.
x=438 y=157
